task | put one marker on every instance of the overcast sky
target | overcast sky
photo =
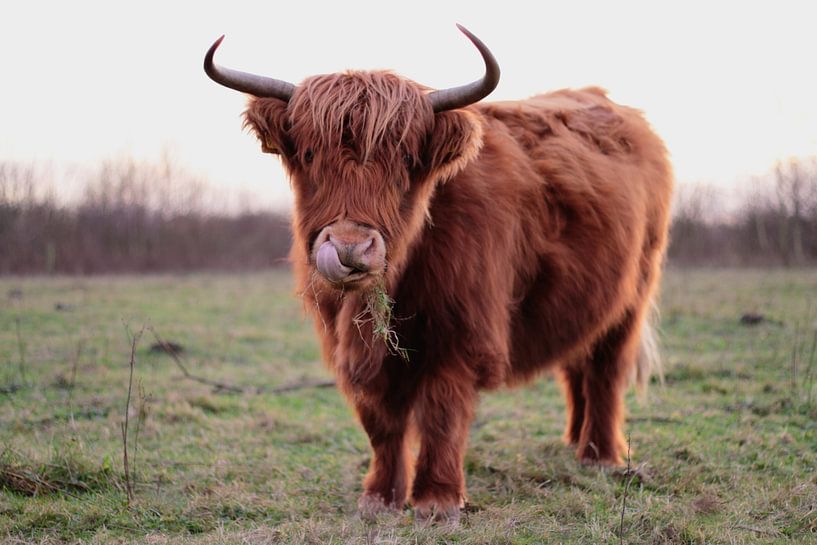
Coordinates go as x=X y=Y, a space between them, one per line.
x=731 y=86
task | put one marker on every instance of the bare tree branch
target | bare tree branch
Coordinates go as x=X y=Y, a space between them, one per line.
x=223 y=386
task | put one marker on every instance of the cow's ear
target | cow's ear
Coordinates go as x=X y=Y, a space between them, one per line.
x=267 y=118
x=455 y=140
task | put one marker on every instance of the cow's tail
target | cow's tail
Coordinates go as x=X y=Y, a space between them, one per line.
x=649 y=355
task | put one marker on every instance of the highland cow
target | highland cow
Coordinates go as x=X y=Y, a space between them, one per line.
x=445 y=246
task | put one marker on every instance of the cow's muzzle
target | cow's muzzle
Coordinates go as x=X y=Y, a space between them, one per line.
x=347 y=252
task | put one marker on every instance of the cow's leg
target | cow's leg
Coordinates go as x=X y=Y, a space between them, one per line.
x=605 y=381
x=572 y=378
x=385 y=486
x=443 y=413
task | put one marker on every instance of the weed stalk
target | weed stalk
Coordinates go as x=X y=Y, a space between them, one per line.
x=21 y=349
x=808 y=380
x=630 y=476
x=141 y=416
x=73 y=381
x=795 y=354
x=131 y=364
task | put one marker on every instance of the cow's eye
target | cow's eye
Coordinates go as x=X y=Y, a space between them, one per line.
x=308 y=156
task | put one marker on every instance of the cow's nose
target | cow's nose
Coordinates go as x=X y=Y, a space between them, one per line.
x=356 y=255
x=346 y=252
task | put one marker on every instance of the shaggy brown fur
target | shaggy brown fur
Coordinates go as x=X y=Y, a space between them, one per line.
x=519 y=237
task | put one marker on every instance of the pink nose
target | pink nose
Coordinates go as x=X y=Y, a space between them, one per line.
x=337 y=261
x=345 y=248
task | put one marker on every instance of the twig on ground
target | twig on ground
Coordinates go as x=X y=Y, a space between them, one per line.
x=187 y=374
x=23 y=482
x=756 y=530
x=298 y=386
x=657 y=419
x=223 y=386
x=33 y=482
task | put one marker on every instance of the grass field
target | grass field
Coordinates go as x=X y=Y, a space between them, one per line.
x=724 y=452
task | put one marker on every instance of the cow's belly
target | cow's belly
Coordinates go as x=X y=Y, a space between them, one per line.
x=561 y=314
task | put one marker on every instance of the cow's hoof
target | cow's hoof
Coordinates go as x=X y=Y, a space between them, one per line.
x=428 y=513
x=601 y=464
x=590 y=454
x=370 y=505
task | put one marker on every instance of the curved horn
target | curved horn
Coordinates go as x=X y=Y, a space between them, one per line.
x=259 y=86
x=458 y=97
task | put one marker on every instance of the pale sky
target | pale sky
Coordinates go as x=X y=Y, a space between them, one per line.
x=730 y=86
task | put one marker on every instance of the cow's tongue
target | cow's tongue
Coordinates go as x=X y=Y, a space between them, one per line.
x=329 y=264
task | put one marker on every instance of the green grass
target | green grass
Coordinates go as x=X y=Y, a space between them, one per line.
x=726 y=451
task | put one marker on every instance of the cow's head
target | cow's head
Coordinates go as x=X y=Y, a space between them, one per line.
x=364 y=151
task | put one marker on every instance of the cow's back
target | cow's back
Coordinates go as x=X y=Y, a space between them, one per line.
x=595 y=192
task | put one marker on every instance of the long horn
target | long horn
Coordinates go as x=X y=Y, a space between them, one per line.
x=458 y=97
x=259 y=86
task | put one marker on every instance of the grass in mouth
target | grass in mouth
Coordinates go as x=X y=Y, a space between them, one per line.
x=378 y=311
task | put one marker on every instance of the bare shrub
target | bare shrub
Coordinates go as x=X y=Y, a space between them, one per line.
x=778 y=218
x=694 y=232
x=775 y=222
x=138 y=216
x=131 y=217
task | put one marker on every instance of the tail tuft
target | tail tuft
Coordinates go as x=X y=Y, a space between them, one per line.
x=649 y=356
